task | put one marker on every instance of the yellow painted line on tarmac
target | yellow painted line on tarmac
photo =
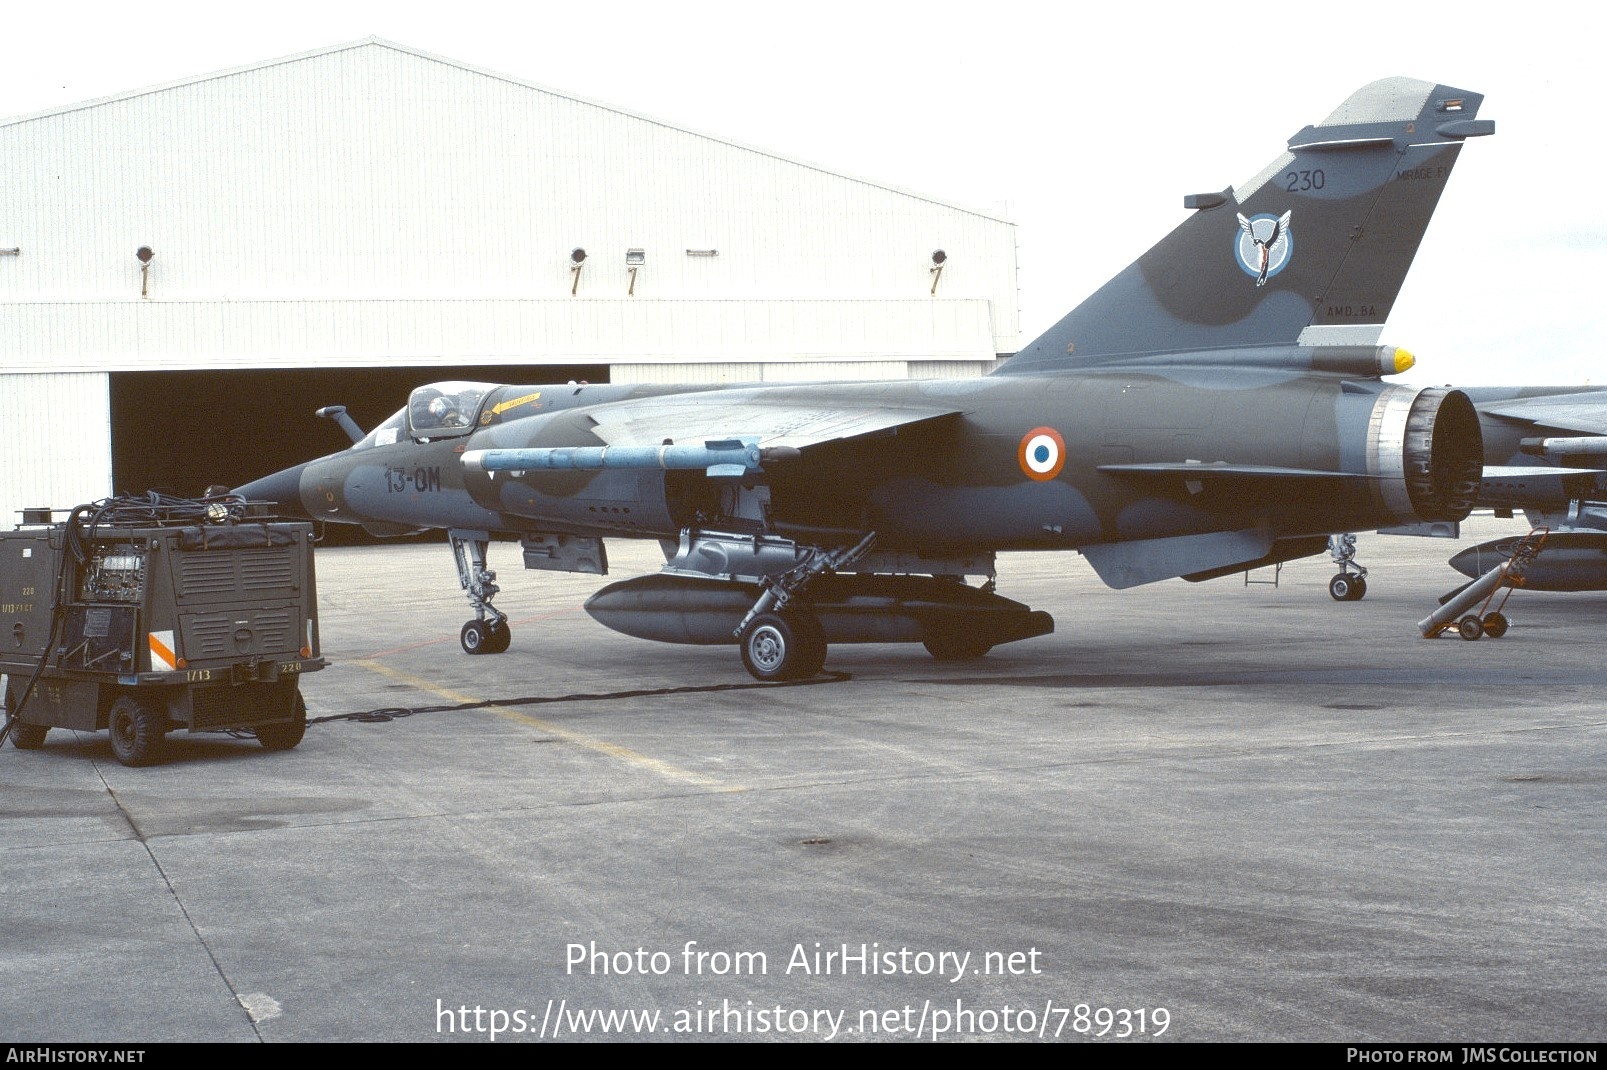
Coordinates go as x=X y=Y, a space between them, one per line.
x=613 y=750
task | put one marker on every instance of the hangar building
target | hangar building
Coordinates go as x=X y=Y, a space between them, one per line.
x=188 y=271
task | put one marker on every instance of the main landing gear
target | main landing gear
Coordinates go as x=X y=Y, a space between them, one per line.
x=780 y=640
x=783 y=646
x=1351 y=583
x=488 y=632
x=783 y=603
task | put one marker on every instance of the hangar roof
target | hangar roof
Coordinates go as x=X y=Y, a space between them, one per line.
x=379 y=42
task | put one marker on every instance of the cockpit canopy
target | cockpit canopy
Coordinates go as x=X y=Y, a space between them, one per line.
x=439 y=410
x=445 y=410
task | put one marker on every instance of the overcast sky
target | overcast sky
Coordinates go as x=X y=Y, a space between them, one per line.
x=1085 y=129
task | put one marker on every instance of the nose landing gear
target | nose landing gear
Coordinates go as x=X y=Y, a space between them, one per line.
x=488 y=632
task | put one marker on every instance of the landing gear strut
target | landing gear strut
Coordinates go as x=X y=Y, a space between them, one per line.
x=1351 y=583
x=781 y=641
x=488 y=632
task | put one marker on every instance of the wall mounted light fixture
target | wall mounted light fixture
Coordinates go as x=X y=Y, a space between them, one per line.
x=577 y=257
x=939 y=258
x=634 y=258
x=145 y=256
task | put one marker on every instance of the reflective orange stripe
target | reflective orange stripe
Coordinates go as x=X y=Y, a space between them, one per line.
x=160 y=653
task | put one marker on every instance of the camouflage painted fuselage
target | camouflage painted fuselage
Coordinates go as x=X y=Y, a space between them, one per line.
x=959 y=481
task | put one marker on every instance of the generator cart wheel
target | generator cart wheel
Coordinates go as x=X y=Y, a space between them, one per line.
x=137 y=730
x=284 y=736
x=28 y=736
x=1496 y=625
x=1470 y=627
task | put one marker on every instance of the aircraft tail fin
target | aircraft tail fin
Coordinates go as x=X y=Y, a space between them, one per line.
x=1312 y=250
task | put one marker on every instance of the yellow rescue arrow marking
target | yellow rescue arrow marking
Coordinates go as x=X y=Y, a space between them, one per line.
x=503 y=406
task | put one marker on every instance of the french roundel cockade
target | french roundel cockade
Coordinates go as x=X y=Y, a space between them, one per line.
x=1042 y=453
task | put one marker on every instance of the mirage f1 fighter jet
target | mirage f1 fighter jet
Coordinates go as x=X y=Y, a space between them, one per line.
x=1217 y=406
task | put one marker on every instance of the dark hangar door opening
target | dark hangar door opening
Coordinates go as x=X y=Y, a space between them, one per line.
x=180 y=432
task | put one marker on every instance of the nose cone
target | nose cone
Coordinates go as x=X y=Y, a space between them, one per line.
x=283 y=489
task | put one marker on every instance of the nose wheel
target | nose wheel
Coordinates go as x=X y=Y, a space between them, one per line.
x=1347 y=587
x=485 y=636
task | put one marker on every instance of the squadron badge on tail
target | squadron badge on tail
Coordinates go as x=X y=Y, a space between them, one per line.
x=1264 y=245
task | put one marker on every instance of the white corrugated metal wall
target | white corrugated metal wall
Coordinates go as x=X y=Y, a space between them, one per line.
x=372 y=205
x=376 y=173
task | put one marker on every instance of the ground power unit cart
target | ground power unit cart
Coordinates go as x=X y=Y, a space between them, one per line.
x=142 y=616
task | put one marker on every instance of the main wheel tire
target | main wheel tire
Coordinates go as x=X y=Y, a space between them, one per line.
x=1347 y=587
x=499 y=637
x=286 y=735
x=137 y=730
x=1470 y=627
x=948 y=645
x=812 y=658
x=1496 y=624
x=783 y=646
x=475 y=637
x=28 y=736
